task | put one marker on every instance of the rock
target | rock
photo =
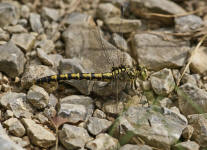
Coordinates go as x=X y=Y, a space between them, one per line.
x=162 y=82
x=188 y=23
x=45 y=44
x=77 y=18
x=199 y=123
x=8 y=14
x=165 y=102
x=35 y=23
x=15 y=29
x=165 y=54
x=187 y=78
x=34 y=72
x=135 y=147
x=73 y=137
x=11 y=56
x=107 y=10
x=15 y=127
x=25 y=11
x=120 y=42
x=23 y=142
x=56 y=58
x=198 y=61
x=191 y=99
x=4 y=36
x=24 y=40
x=96 y=125
x=103 y=141
x=188 y=132
x=189 y=145
x=76 y=108
x=44 y=57
x=157 y=127
x=113 y=107
x=42 y=119
x=6 y=143
x=53 y=101
x=143 y=8
x=8 y=114
x=99 y=114
x=50 y=13
x=17 y=103
x=38 y=135
x=38 y=97
x=123 y=25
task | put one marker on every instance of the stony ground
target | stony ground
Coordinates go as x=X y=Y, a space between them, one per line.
x=41 y=38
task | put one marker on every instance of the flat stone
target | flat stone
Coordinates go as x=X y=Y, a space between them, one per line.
x=188 y=132
x=191 y=99
x=79 y=19
x=198 y=61
x=35 y=23
x=165 y=54
x=23 y=142
x=73 y=137
x=6 y=143
x=157 y=127
x=4 y=36
x=199 y=123
x=162 y=82
x=188 y=23
x=12 y=56
x=120 y=42
x=188 y=145
x=44 y=57
x=107 y=10
x=15 y=127
x=103 y=141
x=15 y=29
x=76 y=108
x=24 y=40
x=135 y=147
x=122 y=25
x=99 y=114
x=51 y=13
x=8 y=14
x=96 y=125
x=38 y=135
x=38 y=97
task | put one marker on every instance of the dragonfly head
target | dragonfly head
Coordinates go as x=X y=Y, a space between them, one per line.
x=142 y=72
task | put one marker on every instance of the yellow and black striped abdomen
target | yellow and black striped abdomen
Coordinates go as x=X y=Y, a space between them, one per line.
x=77 y=76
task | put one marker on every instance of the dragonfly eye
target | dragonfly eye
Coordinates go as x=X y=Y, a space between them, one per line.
x=143 y=73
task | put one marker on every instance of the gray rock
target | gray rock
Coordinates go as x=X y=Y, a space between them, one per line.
x=135 y=147
x=113 y=107
x=199 y=123
x=198 y=61
x=99 y=114
x=51 y=13
x=44 y=57
x=45 y=44
x=23 y=142
x=188 y=132
x=162 y=82
x=11 y=56
x=6 y=143
x=142 y=8
x=34 y=72
x=8 y=14
x=73 y=137
x=15 y=127
x=77 y=18
x=120 y=42
x=38 y=97
x=188 y=145
x=17 y=103
x=56 y=58
x=165 y=54
x=191 y=99
x=76 y=108
x=165 y=102
x=38 y=135
x=8 y=114
x=187 y=78
x=159 y=128
x=96 y=125
x=103 y=142
x=122 y=25
x=42 y=119
x=24 y=40
x=188 y=23
x=25 y=11
x=4 y=36
x=15 y=29
x=35 y=23
x=107 y=10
